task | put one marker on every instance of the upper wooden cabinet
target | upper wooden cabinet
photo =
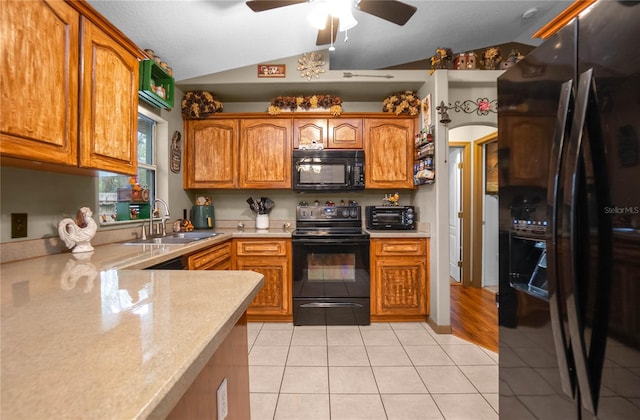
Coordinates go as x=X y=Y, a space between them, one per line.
x=39 y=83
x=335 y=133
x=389 y=153
x=43 y=118
x=265 y=153
x=109 y=112
x=211 y=154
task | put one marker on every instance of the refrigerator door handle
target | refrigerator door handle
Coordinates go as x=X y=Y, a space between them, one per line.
x=589 y=363
x=560 y=336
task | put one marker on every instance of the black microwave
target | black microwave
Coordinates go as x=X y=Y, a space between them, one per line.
x=390 y=217
x=328 y=170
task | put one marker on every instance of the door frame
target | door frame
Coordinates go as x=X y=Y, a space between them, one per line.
x=466 y=210
x=478 y=189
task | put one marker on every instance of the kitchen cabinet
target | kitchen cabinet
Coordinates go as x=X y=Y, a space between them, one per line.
x=332 y=133
x=389 y=152
x=211 y=153
x=272 y=259
x=217 y=257
x=69 y=89
x=399 y=279
x=109 y=104
x=265 y=153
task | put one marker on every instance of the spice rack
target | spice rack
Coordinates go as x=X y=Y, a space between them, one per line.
x=156 y=85
x=424 y=170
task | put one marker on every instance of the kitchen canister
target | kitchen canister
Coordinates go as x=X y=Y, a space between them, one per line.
x=262 y=221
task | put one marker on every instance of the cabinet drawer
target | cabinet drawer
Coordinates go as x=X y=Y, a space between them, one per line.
x=400 y=247
x=261 y=247
x=210 y=257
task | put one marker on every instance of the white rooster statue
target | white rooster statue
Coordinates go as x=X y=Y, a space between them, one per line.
x=78 y=233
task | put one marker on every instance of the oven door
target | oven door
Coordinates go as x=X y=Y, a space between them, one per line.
x=331 y=282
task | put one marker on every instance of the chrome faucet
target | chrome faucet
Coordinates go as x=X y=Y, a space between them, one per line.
x=163 y=219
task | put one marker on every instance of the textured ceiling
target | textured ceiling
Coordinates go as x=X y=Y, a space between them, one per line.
x=198 y=37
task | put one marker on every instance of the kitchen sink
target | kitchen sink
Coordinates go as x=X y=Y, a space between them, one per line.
x=173 y=239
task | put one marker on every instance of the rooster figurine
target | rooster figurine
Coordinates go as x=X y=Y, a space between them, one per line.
x=77 y=234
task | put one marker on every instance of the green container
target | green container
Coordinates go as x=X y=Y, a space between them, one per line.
x=203 y=217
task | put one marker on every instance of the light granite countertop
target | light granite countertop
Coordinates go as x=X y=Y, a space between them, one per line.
x=93 y=336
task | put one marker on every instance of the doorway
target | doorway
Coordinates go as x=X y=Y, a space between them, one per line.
x=485 y=205
x=459 y=212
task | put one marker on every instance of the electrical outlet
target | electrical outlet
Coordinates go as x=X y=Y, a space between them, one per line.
x=18 y=225
x=223 y=402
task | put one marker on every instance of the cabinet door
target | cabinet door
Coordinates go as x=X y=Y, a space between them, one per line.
x=210 y=150
x=345 y=133
x=389 y=153
x=265 y=153
x=109 y=103
x=39 y=83
x=275 y=296
x=400 y=286
x=309 y=131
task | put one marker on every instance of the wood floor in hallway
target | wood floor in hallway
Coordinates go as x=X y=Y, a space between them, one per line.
x=474 y=315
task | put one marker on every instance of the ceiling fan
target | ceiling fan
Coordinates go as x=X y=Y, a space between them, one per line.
x=391 y=10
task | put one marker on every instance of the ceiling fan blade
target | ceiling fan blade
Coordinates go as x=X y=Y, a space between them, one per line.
x=262 y=5
x=324 y=35
x=391 y=10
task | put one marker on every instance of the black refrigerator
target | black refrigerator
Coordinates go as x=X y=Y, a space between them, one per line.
x=569 y=194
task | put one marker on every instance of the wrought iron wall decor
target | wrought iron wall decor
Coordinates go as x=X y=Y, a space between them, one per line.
x=481 y=106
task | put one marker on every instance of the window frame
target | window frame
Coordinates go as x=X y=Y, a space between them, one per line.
x=153 y=167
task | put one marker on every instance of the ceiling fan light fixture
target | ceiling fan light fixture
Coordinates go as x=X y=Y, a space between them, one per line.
x=318 y=16
x=347 y=21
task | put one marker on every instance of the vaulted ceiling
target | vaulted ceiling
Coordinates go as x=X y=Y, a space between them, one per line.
x=205 y=37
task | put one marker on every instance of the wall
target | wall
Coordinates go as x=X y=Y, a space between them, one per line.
x=448 y=86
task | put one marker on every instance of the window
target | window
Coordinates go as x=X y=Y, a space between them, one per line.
x=122 y=198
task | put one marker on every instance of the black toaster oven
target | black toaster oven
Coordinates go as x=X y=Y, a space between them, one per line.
x=390 y=217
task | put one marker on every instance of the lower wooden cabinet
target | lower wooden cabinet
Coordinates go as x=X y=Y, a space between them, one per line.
x=217 y=257
x=272 y=259
x=399 y=279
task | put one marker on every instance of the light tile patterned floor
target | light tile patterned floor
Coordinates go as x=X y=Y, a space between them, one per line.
x=394 y=371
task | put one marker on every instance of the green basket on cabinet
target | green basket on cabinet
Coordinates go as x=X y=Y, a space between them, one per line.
x=151 y=74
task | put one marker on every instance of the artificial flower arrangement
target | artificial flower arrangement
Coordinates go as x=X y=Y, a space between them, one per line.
x=292 y=103
x=441 y=59
x=199 y=104
x=406 y=102
x=491 y=58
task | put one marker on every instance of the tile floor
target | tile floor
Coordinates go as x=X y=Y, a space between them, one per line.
x=389 y=371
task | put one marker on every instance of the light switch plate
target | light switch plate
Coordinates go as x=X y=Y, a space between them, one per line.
x=223 y=403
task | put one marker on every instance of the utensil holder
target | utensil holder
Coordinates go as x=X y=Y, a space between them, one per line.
x=262 y=221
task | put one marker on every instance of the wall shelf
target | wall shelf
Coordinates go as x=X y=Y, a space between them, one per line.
x=424 y=171
x=151 y=77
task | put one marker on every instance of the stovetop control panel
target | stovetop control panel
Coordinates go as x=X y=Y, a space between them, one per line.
x=328 y=213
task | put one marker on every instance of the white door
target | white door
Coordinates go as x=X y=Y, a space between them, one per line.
x=455 y=206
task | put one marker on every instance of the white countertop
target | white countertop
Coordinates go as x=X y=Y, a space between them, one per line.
x=86 y=338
